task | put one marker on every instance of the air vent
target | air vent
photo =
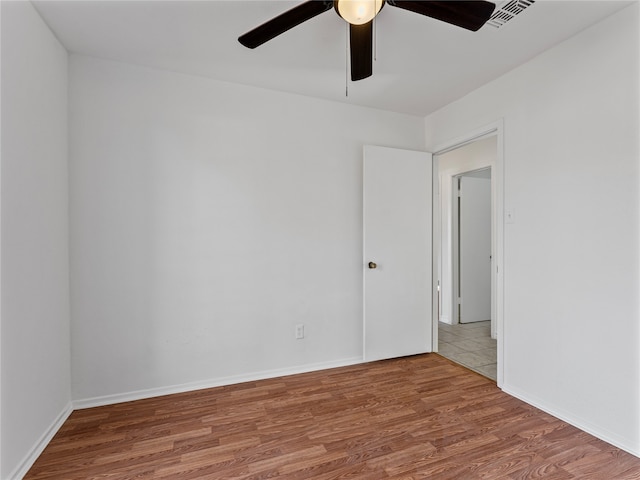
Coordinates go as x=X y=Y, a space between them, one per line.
x=508 y=12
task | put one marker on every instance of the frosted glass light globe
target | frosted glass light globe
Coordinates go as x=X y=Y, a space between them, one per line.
x=358 y=12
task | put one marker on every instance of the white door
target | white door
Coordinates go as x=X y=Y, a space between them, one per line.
x=475 y=249
x=397 y=252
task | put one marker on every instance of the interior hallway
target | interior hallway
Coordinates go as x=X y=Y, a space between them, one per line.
x=471 y=345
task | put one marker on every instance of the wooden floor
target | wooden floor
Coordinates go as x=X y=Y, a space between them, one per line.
x=409 y=418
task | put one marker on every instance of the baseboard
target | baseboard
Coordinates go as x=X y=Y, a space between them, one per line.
x=445 y=319
x=584 y=425
x=23 y=467
x=216 y=382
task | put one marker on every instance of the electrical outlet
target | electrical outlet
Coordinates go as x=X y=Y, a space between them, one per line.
x=299 y=331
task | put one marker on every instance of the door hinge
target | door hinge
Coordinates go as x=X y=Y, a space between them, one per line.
x=459 y=300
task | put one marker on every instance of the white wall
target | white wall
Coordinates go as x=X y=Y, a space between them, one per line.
x=34 y=326
x=207 y=220
x=571 y=268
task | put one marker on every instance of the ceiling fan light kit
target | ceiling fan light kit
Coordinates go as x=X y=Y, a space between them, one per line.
x=470 y=15
x=358 y=12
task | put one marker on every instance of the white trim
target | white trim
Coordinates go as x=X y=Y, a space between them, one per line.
x=462 y=140
x=625 y=444
x=23 y=467
x=1 y=421
x=436 y=284
x=495 y=128
x=216 y=382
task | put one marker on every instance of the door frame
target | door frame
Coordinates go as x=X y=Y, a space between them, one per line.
x=493 y=129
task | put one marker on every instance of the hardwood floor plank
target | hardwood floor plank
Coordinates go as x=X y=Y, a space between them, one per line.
x=410 y=418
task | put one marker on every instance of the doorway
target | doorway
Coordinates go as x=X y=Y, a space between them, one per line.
x=467 y=320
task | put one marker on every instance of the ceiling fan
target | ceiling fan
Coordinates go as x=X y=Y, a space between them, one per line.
x=470 y=15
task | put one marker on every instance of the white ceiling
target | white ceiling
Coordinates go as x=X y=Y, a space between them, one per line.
x=422 y=64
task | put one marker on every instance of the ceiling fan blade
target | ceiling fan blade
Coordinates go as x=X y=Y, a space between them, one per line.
x=361 y=42
x=283 y=22
x=466 y=14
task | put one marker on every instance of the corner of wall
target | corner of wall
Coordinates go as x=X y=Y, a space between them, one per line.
x=27 y=462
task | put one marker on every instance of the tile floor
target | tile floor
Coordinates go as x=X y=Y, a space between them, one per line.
x=469 y=344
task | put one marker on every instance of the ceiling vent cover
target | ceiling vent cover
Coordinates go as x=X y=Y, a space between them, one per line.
x=508 y=12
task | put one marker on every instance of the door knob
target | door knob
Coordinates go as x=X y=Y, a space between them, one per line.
x=372 y=265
